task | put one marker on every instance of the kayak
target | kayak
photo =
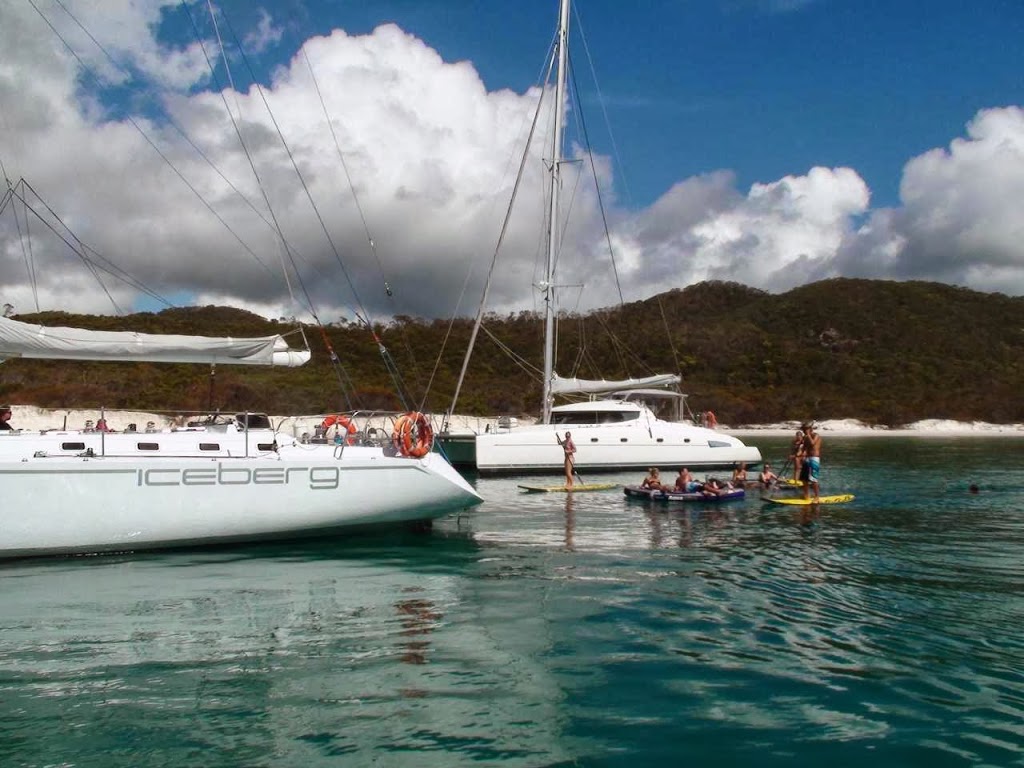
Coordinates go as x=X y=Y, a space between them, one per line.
x=636 y=492
x=580 y=488
x=800 y=501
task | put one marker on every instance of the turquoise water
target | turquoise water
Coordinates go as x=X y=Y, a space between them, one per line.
x=543 y=630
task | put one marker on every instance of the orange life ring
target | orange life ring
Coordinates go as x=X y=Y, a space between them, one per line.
x=412 y=435
x=712 y=421
x=343 y=422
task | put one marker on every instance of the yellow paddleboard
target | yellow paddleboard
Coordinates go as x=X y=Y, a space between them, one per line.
x=802 y=502
x=578 y=488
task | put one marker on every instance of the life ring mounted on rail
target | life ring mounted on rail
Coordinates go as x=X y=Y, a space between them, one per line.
x=412 y=435
x=344 y=424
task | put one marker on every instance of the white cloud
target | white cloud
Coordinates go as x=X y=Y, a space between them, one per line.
x=779 y=235
x=433 y=155
x=428 y=147
x=959 y=221
x=264 y=35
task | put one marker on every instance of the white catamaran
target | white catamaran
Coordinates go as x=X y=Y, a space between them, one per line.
x=618 y=431
x=68 y=491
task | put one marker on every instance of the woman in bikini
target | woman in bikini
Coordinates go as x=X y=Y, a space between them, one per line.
x=653 y=480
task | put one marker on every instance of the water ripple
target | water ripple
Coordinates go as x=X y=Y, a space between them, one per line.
x=542 y=630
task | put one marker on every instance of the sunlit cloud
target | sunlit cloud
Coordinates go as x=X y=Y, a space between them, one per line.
x=431 y=154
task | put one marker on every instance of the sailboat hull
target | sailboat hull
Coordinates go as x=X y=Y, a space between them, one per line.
x=112 y=502
x=609 y=448
x=459 y=448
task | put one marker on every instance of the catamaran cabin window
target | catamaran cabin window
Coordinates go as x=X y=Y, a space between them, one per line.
x=594 y=417
x=253 y=420
x=148 y=446
x=209 y=446
x=72 y=446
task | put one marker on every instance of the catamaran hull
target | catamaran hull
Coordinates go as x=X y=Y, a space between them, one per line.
x=608 y=449
x=66 y=505
x=458 y=448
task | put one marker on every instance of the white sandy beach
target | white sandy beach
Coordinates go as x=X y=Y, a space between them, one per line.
x=855 y=428
x=30 y=417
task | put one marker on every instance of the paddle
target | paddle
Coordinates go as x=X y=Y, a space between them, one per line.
x=573 y=462
x=782 y=472
x=779 y=475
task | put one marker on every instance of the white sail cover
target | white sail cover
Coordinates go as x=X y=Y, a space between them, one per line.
x=19 y=339
x=560 y=386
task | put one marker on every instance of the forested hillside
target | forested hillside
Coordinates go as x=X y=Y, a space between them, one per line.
x=883 y=352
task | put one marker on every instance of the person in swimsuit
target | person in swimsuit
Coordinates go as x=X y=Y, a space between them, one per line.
x=653 y=480
x=715 y=487
x=810 y=470
x=569 y=448
x=684 y=481
x=5 y=417
x=767 y=477
x=739 y=475
x=797 y=456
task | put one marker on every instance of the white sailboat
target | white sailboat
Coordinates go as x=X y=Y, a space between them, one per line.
x=78 y=491
x=618 y=431
x=218 y=480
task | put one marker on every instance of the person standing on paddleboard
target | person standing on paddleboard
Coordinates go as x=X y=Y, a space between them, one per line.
x=811 y=468
x=570 y=449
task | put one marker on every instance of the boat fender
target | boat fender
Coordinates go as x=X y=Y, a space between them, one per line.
x=343 y=422
x=412 y=435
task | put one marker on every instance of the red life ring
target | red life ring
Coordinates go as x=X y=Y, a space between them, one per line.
x=712 y=421
x=412 y=435
x=343 y=422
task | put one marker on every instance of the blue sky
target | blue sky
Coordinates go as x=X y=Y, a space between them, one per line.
x=763 y=87
x=771 y=142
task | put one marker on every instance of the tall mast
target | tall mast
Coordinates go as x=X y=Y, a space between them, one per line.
x=554 y=227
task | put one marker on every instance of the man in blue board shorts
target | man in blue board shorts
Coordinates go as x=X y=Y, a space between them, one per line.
x=811 y=468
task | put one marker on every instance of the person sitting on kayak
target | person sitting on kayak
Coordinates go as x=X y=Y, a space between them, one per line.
x=767 y=477
x=683 y=479
x=653 y=480
x=685 y=482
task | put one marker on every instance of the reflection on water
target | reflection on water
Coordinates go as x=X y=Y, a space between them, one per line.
x=544 y=629
x=418 y=615
x=570 y=521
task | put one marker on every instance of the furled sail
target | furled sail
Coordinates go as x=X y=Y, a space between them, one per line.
x=19 y=339
x=560 y=386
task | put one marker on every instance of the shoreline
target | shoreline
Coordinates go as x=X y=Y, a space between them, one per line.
x=926 y=428
x=32 y=418
x=994 y=432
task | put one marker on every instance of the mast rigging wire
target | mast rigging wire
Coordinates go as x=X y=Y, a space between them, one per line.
x=79 y=248
x=86 y=68
x=180 y=131
x=25 y=239
x=362 y=314
x=597 y=187
x=541 y=83
x=497 y=249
